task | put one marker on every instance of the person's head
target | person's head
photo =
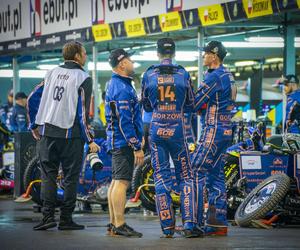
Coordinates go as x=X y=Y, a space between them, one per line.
x=214 y=54
x=165 y=48
x=121 y=63
x=103 y=95
x=10 y=97
x=290 y=83
x=74 y=51
x=21 y=98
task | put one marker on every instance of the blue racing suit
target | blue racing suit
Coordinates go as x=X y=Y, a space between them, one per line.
x=6 y=111
x=167 y=91
x=123 y=114
x=218 y=91
x=18 y=119
x=292 y=119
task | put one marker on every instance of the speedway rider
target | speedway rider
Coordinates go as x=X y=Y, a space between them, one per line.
x=167 y=91
x=292 y=91
x=219 y=92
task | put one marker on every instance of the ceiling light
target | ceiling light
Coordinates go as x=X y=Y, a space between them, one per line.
x=191 y=68
x=32 y=73
x=245 y=63
x=180 y=56
x=46 y=66
x=24 y=73
x=104 y=66
x=6 y=73
x=264 y=39
x=274 y=60
x=253 y=45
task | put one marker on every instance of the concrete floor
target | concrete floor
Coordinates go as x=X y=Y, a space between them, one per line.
x=17 y=220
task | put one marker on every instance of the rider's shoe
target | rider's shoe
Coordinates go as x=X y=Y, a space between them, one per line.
x=69 y=225
x=126 y=231
x=46 y=223
x=215 y=231
x=110 y=228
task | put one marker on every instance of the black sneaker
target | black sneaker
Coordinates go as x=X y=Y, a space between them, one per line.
x=46 y=223
x=193 y=233
x=110 y=228
x=69 y=225
x=126 y=231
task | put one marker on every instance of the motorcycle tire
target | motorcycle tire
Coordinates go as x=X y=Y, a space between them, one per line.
x=262 y=199
x=144 y=175
x=33 y=172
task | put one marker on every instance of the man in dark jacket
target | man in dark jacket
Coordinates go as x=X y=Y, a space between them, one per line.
x=58 y=111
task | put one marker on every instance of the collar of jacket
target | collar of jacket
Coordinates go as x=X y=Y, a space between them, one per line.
x=294 y=92
x=211 y=70
x=166 y=61
x=126 y=79
x=72 y=65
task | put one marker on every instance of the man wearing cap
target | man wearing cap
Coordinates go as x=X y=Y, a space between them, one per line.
x=292 y=91
x=58 y=119
x=6 y=110
x=18 y=119
x=167 y=92
x=124 y=137
x=219 y=92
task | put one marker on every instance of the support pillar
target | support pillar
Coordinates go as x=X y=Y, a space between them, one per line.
x=289 y=58
x=16 y=79
x=95 y=81
x=200 y=45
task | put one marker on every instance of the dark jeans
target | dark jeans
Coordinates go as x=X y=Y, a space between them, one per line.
x=54 y=152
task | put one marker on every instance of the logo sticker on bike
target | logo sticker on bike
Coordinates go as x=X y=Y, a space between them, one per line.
x=250 y=162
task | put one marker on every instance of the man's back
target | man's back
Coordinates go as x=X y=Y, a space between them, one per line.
x=167 y=91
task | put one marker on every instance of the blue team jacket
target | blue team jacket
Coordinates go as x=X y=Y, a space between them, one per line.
x=123 y=114
x=292 y=117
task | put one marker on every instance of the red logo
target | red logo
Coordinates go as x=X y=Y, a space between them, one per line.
x=277 y=161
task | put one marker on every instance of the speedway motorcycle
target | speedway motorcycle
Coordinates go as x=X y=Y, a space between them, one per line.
x=143 y=182
x=273 y=175
x=94 y=179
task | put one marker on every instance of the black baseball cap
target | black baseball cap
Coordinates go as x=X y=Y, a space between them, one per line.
x=166 y=46
x=117 y=56
x=20 y=95
x=217 y=48
x=288 y=79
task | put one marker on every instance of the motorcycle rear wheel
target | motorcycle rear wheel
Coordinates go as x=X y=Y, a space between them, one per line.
x=262 y=199
x=33 y=172
x=144 y=175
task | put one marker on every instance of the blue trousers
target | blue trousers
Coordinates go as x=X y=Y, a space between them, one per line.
x=208 y=163
x=166 y=140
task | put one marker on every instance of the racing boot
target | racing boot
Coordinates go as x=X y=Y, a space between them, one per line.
x=215 y=231
x=193 y=232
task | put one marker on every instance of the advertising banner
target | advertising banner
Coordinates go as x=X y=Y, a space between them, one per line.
x=14 y=20
x=26 y=24
x=257 y=166
x=51 y=16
